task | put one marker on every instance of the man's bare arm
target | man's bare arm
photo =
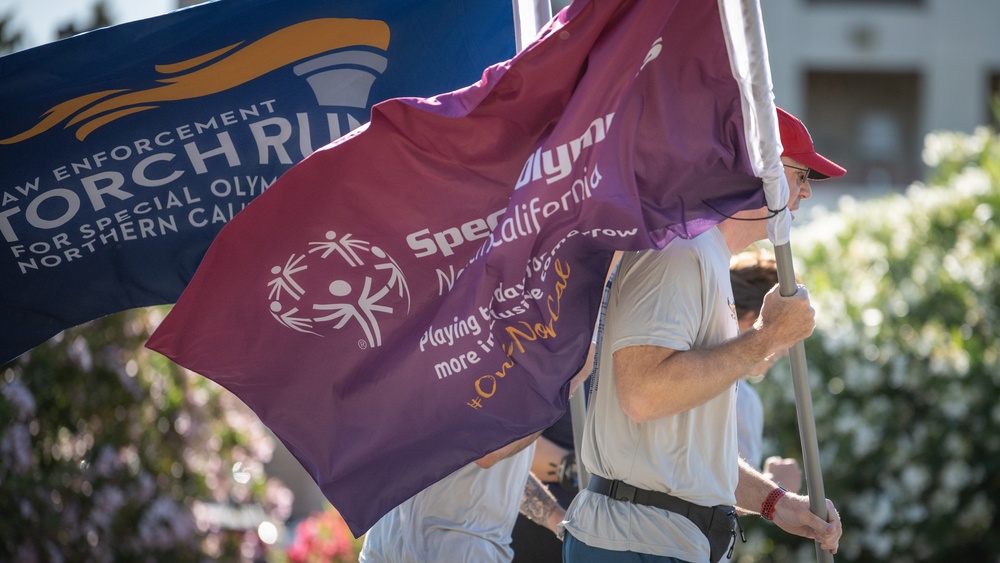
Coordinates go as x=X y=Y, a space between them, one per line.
x=539 y=506
x=654 y=382
x=791 y=511
x=492 y=458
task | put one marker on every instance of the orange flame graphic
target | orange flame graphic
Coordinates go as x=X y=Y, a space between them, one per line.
x=279 y=49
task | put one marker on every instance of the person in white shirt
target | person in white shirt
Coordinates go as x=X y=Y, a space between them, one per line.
x=470 y=514
x=753 y=274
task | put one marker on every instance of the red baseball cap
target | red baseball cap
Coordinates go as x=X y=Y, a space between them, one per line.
x=798 y=144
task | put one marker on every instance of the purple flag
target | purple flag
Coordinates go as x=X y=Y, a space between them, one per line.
x=419 y=293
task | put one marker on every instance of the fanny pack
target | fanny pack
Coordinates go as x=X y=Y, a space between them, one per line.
x=718 y=523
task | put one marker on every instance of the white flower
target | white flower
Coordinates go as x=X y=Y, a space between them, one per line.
x=972 y=182
x=20 y=397
x=279 y=499
x=107 y=462
x=79 y=354
x=953 y=403
x=954 y=476
x=865 y=440
x=107 y=502
x=915 y=513
x=147 y=487
x=915 y=478
x=861 y=376
x=881 y=515
x=879 y=543
x=941 y=146
x=165 y=524
x=15 y=448
x=872 y=317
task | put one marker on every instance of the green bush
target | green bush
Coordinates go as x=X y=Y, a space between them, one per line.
x=110 y=452
x=904 y=366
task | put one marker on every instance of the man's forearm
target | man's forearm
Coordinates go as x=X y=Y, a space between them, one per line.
x=548 y=457
x=752 y=489
x=789 y=511
x=492 y=458
x=539 y=506
x=653 y=382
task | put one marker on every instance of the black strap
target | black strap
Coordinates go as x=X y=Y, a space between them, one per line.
x=595 y=371
x=717 y=523
x=620 y=490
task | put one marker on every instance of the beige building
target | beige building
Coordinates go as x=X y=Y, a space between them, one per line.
x=873 y=77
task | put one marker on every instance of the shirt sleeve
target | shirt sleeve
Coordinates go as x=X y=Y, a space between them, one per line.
x=660 y=299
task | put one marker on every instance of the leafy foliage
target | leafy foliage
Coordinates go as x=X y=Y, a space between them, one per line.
x=9 y=40
x=109 y=452
x=904 y=366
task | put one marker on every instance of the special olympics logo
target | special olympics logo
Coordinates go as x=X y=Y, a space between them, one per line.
x=313 y=293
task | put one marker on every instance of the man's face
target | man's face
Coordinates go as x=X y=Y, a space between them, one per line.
x=798 y=189
x=797 y=175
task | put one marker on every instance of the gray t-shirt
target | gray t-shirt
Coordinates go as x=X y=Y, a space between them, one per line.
x=679 y=297
x=467 y=516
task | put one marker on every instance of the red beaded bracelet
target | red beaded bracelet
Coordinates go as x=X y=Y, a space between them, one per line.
x=767 y=508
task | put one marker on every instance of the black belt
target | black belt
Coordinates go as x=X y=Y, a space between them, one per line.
x=718 y=523
x=619 y=490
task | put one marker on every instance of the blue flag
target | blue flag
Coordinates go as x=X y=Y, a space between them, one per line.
x=124 y=151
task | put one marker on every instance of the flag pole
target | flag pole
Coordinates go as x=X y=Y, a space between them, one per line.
x=779 y=228
x=803 y=402
x=529 y=17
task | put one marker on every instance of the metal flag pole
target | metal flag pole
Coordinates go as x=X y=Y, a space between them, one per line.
x=779 y=227
x=529 y=17
x=803 y=402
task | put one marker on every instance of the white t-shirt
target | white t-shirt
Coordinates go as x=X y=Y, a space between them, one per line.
x=467 y=516
x=679 y=297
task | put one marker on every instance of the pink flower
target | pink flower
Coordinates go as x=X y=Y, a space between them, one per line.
x=323 y=537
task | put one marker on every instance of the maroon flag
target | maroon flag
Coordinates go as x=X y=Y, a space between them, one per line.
x=419 y=293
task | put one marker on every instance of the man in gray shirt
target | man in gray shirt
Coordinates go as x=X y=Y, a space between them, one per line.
x=660 y=437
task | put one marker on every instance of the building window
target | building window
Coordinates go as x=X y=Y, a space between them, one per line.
x=868 y=122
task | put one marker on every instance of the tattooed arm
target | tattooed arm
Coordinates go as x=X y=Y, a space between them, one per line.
x=539 y=506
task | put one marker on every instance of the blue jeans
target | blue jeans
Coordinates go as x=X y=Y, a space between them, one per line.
x=575 y=551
